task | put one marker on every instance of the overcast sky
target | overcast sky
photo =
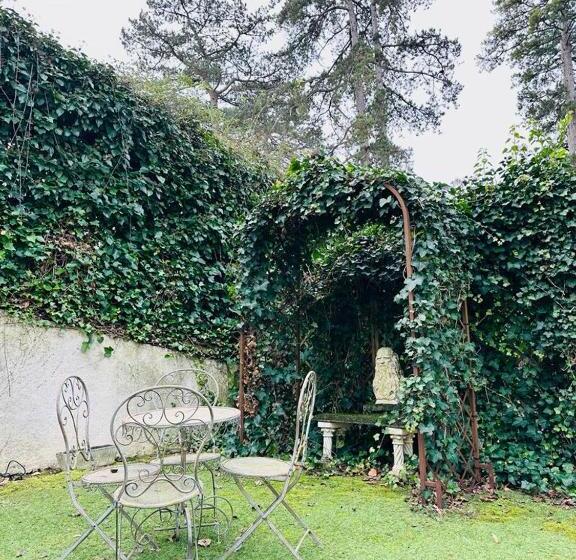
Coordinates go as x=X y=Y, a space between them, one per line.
x=487 y=105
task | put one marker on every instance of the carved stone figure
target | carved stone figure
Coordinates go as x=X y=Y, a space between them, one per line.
x=386 y=377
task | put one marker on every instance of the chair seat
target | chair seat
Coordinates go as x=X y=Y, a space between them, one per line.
x=257 y=467
x=114 y=474
x=174 y=460
x=161 y=492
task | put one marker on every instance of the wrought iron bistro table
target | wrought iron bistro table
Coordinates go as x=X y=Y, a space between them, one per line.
x=200 y=416
x=218 y=510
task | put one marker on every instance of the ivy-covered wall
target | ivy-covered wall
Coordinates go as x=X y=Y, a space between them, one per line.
x=524 y=314
x=113 y=217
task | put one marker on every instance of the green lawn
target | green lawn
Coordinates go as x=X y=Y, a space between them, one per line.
x=354 y=520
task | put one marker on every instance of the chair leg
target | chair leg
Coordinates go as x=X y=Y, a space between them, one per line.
x=118 y=531
x=177 y=523
x=263 y=518
x=135 y=528
x=201 y=510
x=94 y=525
x=296 y=517
x=192 y=534
x=212 y=497
x=213 y=483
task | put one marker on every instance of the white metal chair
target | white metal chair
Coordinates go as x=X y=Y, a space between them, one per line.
x=73 y=412
x=207 y=386
x=162 y=419
x=268 y=470
x=218 y=512
x=196 y=378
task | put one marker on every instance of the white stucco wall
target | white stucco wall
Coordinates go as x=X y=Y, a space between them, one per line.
x=35 y=360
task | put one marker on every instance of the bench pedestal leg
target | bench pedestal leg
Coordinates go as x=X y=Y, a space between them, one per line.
x=402 y=445
x=329 y=431
x=402 y=442
x=408 y=445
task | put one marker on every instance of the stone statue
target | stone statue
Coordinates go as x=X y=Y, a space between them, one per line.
x=386 y=377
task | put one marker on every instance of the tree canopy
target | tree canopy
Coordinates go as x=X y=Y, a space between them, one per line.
x=364 y=58
x=537 y=38
x=305 y=75
x=219 y=45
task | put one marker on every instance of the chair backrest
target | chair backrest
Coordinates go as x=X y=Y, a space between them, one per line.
x=195 y=378
x=73 y=412
x=304 y=414
x=164 y=420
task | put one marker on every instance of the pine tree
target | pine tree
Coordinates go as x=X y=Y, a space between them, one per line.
x=219 y=52
x=369 y=72
x=537 y=38
x=219 y=45
x=268 y=127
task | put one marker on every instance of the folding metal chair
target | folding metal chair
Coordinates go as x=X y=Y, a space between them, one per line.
x=161 y=419
x=268 y=470
x=218 y=510
x=73 y=411
x=196 y=378
x=207 y=386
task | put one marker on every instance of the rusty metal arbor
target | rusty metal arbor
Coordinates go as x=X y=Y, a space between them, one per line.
x=468 y=426
x=470 y=473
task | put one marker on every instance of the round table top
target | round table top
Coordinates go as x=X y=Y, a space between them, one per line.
x=190 y=417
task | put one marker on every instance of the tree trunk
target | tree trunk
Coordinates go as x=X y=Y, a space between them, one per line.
x=378 y=60
x=359 y=93
x=214 y=97
x=569 y=84
x=374 y=20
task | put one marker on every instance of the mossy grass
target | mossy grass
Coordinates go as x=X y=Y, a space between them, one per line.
x=353 y=519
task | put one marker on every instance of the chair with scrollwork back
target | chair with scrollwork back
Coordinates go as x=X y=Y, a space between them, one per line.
x=73 y=413
x=161 y=420
x=196 y=378
x=207 y=385
x=268 y=470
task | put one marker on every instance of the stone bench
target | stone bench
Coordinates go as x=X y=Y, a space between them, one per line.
x=335 y=423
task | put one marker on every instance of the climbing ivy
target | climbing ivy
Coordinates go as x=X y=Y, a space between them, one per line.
x=525 y=313
x=322 y=263
x=114 y=217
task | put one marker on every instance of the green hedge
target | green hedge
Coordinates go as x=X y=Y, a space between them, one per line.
x=525 y=315
x=113 y=217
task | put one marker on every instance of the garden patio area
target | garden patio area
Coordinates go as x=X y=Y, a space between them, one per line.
x=266 y=336
x=354 y=519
